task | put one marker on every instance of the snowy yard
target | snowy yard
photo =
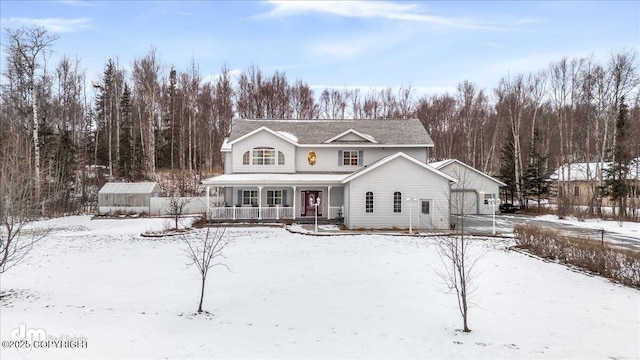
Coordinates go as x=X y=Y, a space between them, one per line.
x=296 y=296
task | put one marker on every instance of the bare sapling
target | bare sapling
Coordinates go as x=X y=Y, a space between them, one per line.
x=176 y=209
x=207 y=252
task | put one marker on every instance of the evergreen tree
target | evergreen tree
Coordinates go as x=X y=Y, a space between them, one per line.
x=125 y=165
x=535 y=175
x=616 y=174
x=507 y=168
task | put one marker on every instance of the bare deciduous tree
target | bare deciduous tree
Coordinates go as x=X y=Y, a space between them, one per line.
x=457 y=259
x=16 y=210
x=26 y=47
x=176 y=208
x=207 y=253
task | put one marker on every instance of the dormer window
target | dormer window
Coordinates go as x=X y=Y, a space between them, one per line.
x=263 y=156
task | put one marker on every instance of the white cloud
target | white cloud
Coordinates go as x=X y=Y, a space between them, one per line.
x=374 y=9
x=233 y=74
x=57 y=25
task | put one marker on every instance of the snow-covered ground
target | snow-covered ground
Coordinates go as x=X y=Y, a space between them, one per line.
x=627 y=228
x=296 y=296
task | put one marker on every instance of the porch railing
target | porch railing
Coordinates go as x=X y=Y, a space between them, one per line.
x=250 y=213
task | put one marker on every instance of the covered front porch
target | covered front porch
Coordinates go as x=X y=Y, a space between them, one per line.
x=264 y=197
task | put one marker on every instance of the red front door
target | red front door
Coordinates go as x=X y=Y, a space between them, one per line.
x=309 y=199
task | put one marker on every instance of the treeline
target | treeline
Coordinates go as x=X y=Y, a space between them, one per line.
x=71 y=133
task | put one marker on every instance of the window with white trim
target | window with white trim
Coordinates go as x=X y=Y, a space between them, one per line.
x=397 y=202
x=245 y=158
x=274 y=197
x=250 y=197
x=264 y=156
x=368 y=202
x=280 y=158
x=350 y=157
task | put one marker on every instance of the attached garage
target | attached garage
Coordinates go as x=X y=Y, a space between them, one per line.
x=474 y=191
x=464 y=202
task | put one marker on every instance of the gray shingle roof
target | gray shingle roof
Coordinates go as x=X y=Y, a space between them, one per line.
x=384 y=131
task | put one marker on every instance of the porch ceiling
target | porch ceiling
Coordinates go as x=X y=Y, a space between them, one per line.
x=266 y=179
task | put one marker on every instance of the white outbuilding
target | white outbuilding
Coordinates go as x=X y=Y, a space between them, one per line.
x=116 y=197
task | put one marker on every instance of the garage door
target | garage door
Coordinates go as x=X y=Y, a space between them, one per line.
x=464 y=202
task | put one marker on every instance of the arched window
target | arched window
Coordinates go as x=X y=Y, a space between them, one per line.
x=397 y=202
x=280 y=158
x=245 y=158
x=368 y=202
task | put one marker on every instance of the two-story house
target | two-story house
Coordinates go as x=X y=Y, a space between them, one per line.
x=372 y=173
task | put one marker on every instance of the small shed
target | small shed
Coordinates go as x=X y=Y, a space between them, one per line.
x=127 y=197
x=474 y=192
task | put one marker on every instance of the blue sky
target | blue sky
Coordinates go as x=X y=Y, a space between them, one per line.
x=429 y=45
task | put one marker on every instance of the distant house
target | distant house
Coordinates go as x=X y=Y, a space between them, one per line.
x=474 y=191
x=127 y=197
x=580 y=181
x=370 y=173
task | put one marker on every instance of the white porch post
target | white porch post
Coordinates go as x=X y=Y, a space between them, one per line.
x=259 y=202
x=328 y=202
x=208 y=208
x=294 y=202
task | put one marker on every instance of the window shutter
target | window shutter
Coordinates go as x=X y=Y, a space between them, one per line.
x=360 y=158
x=239 y=201
x=284 y=197
x=340 y=156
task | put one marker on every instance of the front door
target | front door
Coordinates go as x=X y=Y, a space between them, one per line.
x=309 y=198
x=425 y=214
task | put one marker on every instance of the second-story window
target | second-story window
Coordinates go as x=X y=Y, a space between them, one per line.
x=350 y=157
x=245 y=158
x=264 y=156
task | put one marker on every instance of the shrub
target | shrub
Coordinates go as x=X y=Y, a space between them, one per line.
x=622 y=265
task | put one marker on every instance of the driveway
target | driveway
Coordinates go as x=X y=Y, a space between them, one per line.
x=483 y=224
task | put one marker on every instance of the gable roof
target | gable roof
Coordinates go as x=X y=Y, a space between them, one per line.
x=444 y=163
x=130 y=188
x=389 y=132
x=365 y=137
x=389 y=158
x=587 y=171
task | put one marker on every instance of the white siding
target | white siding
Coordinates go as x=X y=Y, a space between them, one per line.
x=228 y=163
x=327 y=158
x=263 y=139
x=471 y=181
x=416 y=182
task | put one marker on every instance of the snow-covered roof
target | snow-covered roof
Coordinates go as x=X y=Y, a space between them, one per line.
x=275 y=179
x=441 y=164
x=586 y=171
x=130 y=188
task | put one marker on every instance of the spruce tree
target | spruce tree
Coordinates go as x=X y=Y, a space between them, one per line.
x=126 y=147
x=616 y=174
x=535 y=175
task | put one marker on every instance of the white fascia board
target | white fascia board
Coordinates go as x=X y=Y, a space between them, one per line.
x=351 y=131
x=395 y=156
x=378 y=145
x=263 y=128
x=472 y=169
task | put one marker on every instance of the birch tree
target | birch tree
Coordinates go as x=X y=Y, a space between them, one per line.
x=27 y=52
